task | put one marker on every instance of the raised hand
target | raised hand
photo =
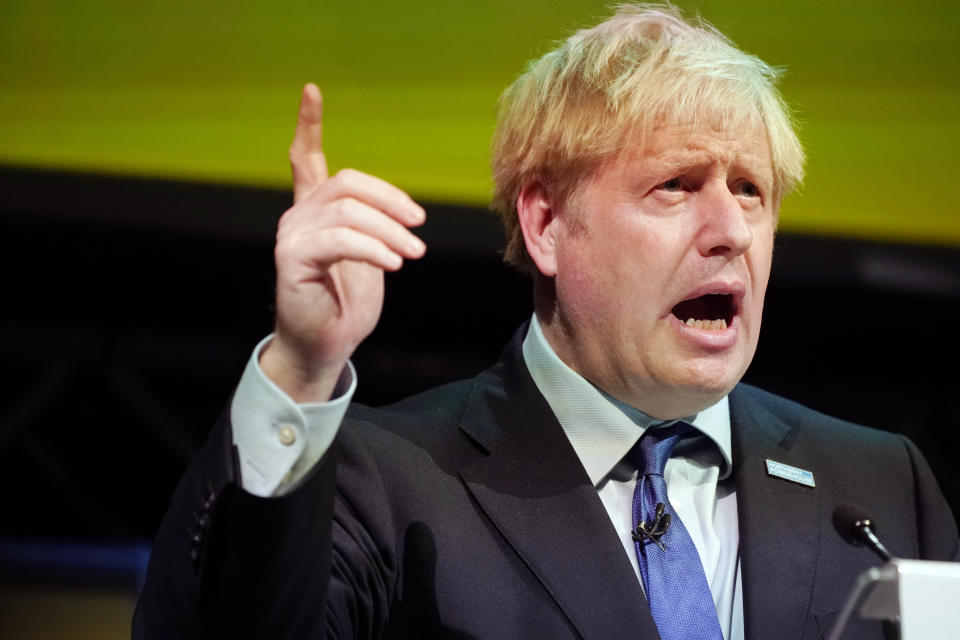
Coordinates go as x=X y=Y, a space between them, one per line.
x=333 y=246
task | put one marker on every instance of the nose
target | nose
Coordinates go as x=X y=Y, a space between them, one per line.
x=724 y=228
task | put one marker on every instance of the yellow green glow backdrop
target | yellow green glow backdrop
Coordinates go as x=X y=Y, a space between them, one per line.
x=208 y=91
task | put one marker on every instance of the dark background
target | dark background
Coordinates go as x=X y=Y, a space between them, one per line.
x=122 y=342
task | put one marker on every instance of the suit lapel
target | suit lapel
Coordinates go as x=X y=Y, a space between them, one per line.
x=779 y=525
x=535 y=491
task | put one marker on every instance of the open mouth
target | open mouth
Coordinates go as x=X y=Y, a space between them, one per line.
x=713 y=311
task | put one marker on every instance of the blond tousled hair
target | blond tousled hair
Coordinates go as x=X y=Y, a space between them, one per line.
x=608 y=87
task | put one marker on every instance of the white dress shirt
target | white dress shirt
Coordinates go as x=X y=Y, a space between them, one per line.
x=279 y=441
x=602 y=431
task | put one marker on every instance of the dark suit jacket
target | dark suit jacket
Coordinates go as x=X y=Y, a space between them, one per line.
x=464 y=513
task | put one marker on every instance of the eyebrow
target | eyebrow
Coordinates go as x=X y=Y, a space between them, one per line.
x=679 y=161
x=682 y=164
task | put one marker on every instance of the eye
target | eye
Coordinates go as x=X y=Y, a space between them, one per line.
x=673 y=184
x=747 y=189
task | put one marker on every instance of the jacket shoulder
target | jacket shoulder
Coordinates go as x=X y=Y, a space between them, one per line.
x=810 y=421
x=859 y=463
x=437 y=408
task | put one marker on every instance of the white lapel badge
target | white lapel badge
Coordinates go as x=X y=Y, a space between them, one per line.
x=793 y=474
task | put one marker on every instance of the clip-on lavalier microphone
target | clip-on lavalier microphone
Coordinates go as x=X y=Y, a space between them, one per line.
x=655 y=530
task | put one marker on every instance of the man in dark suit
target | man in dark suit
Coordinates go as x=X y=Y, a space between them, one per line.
x=639 y=170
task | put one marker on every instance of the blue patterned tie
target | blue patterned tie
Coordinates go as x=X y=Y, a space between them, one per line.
x=670 y=566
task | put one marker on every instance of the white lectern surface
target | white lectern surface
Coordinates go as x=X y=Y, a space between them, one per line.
x=924 y=596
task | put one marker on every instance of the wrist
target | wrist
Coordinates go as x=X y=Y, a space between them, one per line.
x=302 y=380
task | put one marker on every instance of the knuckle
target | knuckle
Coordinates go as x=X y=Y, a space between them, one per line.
x=284 y=220
x=341 y=209
x=337 y=236
x=344 y=208
x=286 y=247
x=348 y=177
x=282 y=251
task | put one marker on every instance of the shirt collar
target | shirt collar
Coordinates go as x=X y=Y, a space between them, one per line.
x=602 y=429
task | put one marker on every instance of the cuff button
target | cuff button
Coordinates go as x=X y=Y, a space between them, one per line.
x=287 y=434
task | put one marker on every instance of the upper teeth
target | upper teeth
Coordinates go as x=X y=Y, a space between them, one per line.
x=707 y=324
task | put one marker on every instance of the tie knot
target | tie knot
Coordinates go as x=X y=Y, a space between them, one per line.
x=656 y=447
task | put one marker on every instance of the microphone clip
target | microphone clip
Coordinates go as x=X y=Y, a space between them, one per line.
x=653 y=532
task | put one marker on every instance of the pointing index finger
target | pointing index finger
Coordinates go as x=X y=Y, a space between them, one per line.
x=307 y=161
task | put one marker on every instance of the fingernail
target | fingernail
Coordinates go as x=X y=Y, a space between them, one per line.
x=417 y=245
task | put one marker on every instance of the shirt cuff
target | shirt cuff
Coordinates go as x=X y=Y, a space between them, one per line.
x=278 y=441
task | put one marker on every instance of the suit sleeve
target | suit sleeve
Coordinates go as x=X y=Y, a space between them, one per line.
x=279 y=441
x=937 y=529
x=229 y=564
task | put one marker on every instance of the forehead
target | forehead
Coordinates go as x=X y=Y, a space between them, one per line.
x=681 y=147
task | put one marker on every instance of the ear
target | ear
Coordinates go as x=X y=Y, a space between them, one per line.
x=539 y=224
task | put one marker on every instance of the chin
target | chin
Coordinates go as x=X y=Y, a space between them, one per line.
x=705 y=386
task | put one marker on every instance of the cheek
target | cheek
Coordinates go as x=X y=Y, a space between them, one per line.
x=586 y=285
x=577 y=289
x=760 y=274
x=763 y=257
x=756 y=317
